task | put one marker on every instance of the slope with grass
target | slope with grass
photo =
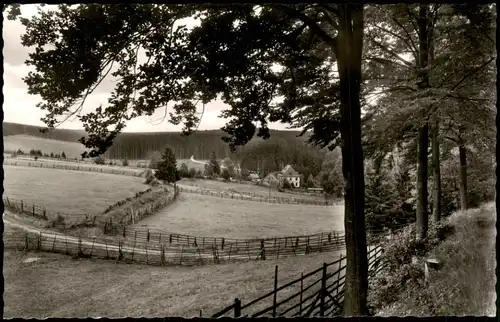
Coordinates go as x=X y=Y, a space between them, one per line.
x=465 y=284
x=26 y=143
x=202 y=215
x=72 y=192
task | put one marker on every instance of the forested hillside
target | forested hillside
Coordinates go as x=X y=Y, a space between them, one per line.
x=135 y=146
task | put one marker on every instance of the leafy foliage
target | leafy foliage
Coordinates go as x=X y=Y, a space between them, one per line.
x=214 y=164
x=184 y=171
x=99 y=160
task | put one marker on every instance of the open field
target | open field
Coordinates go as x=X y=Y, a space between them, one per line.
x=248 y=188
x=72 y=192
x=26 y=143
x=72 y=166
x=58 y=286
x=202 y=215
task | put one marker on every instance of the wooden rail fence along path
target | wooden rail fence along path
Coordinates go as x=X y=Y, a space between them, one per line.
x=317 y=293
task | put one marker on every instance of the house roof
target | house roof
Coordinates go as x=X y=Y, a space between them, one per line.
x=288 y=171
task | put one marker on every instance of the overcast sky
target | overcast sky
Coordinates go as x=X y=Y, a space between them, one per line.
x=20 y=107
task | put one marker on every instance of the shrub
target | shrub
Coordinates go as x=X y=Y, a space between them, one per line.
x=184 y=171
x=192 y=173
x=20 y=152
x=286 y=184
x=99 y=160
x=225 y=174
x=125 y=163
x=63 y=155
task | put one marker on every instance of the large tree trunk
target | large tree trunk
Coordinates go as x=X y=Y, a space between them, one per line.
x=423 y=132
x=422 y=198
x=463 y=177
x=437 y=172
x=348 y=50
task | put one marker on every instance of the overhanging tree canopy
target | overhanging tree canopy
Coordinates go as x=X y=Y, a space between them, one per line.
x=231 y=54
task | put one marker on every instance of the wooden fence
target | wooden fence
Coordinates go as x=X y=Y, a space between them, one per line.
x=257 y=197
x=147 y=253
x=317 y=293
x=74 y=167
x=248 y=249
x=112 y=221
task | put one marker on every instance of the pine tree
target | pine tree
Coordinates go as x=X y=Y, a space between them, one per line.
x=63 y=155
x=167 y=167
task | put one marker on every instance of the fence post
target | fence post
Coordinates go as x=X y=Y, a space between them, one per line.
x=275 y=290
x=22 y=206
x=222 y=243
x=237 y=308
x=124 y=231
x=39 y=241
x=148 y=235
x=262 y=250
x=323 y=292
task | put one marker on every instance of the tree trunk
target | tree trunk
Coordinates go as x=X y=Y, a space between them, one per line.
x=437 y=172
x=422 y=201
x=463 y=177
x=423 y=132
x=348 y=51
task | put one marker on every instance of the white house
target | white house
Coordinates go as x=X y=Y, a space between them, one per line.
x=289 y=174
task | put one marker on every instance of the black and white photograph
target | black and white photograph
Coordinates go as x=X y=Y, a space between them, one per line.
x=249 y=160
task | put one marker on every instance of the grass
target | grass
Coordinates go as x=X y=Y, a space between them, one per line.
x=26 y=143
x=465 y=285
x=48 y=163
x=246 y=188
x=58 y=286
x=202 y=215
x=71 y=192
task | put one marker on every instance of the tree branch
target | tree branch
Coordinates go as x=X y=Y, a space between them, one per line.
x=391 y=52
x=310 y=23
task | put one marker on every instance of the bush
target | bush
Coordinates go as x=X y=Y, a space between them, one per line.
x=192 y=173
x=125 y=163
x=225 y=174
x=184 y=171
x=286 y=184
x=99 y=160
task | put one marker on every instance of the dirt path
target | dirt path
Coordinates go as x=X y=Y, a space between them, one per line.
x=489 y=254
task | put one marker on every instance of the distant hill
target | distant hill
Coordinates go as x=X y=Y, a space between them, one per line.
x=134 y=146
x=26 y=143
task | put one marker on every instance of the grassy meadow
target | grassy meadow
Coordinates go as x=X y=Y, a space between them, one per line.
x=72 y=192
x=58 y=286
x=26 y=143
x=202 y=215
x=248 y=188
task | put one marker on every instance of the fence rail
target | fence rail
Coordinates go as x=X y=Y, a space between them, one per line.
x=74 y=167
x=257 y=197
x=114 y=219
x=222 y=250
x=317 y=293
x=145 y=253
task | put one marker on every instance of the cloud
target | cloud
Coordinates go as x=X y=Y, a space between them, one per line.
x=20 y=107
